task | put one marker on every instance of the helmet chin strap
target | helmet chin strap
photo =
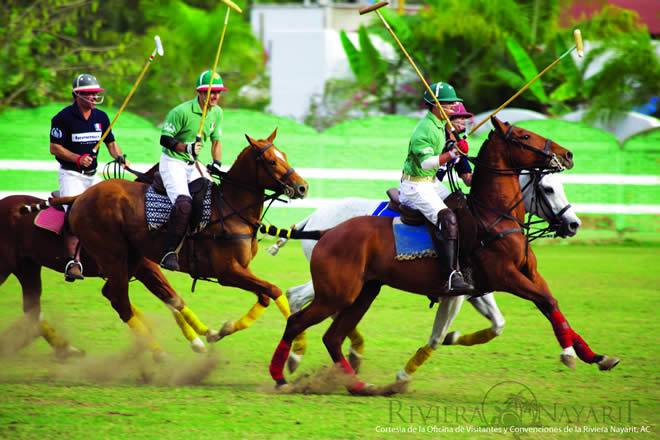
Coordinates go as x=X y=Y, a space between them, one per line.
x=97 y=101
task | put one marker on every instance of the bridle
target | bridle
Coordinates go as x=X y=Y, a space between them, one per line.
x=285 y=189
x=553 y=165
x=541 y=205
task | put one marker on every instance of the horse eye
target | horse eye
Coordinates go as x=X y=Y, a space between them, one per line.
x=526 y=137
x=272 y=163
x=549 y=190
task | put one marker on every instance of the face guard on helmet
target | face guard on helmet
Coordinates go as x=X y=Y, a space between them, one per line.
x=463 y=117
x=204 y=79
x=86 y=84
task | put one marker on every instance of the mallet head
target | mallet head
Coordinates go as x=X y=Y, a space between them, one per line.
x=232 y=5
x=159 y=46
x=578 y=42
x=373 y=7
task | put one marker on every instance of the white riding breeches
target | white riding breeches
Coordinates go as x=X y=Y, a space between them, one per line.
x=424 y=196
x=176 y=175
x=73 y=183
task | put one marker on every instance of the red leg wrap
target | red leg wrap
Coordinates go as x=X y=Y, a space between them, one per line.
x=344 y=365
x=562 y=329
x=582 y=349
x=279 y=359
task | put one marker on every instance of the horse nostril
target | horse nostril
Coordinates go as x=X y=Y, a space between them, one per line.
x=302 y=189
x=569 y=155
x=574 y=226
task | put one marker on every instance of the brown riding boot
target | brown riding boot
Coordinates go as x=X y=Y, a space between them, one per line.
x=176 y=230
x=73 y=269
x=449 y=232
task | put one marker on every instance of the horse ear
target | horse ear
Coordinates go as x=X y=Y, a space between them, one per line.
x=250 y=140
x=271 y=138
x=497 y=124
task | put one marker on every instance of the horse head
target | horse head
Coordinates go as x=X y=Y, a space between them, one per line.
x=531 y=150
x=273 y=171
x=544 y=197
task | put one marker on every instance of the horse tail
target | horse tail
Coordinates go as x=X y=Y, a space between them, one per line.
x=57 y=201
x=291 y=233
x=274 y=249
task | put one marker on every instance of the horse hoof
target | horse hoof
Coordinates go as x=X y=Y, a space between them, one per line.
x=67 y=352
x=227 y=329
x=608 y=362
x=198 y=346
x=363 y=389
x=451 y=338
x=212 y=336
x=354 y=360
x=402 y=376
x=569 y=361
x=160 y=357
x=293 y=362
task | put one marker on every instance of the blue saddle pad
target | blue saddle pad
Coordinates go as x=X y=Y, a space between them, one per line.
x=157 y=208
x=383 y=210
x=412 y=242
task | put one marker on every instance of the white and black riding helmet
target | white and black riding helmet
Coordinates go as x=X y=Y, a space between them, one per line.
x=87 y=83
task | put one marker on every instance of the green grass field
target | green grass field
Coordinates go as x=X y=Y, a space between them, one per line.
x=609 y=294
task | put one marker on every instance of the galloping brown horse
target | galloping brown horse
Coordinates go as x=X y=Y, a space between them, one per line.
x=352 y=261
x=109 y=219
x=25 y=249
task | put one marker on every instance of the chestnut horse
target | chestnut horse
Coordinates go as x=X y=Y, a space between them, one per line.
x=25 y=249
x=109 y=219
x=352 y=261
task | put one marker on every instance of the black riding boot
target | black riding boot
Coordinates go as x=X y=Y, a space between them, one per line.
x=449 y=232
x=176 y=229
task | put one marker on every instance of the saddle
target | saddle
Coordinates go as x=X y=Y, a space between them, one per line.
x=457 y=202
x=158 y=205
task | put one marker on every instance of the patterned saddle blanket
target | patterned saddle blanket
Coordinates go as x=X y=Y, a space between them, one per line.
x=411 y=242
x=157 y=208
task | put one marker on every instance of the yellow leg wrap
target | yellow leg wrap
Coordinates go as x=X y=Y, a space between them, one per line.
x=299 y=345
x=480 y=337
x=283 y=305
x=418 y=359
x=194 y=321
x=142 y=333
x=252 y=315
x=142 y=317
x=50 y=335
x=357 y=341
x=186 y=329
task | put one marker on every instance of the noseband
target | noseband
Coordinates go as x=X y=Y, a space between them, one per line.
x=285 y=189
x=554 y=162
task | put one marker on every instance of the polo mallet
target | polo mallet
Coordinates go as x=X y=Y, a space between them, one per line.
x=580 y=51
x=230 y=5
x=379 y=5
x=159 y=51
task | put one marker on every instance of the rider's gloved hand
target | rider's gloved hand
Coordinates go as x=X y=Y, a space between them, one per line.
x=194 y=148
x=214 y=167
x=462 y=146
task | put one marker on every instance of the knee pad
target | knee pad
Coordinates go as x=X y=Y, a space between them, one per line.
x=448 y=224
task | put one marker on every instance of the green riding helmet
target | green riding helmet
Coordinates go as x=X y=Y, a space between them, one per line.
x=444 y=92
x=204 y=79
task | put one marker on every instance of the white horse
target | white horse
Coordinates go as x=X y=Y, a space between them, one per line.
x=543 y=196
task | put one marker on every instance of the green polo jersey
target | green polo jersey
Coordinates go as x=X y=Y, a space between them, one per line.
x=182 y=123
x=428 y=139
